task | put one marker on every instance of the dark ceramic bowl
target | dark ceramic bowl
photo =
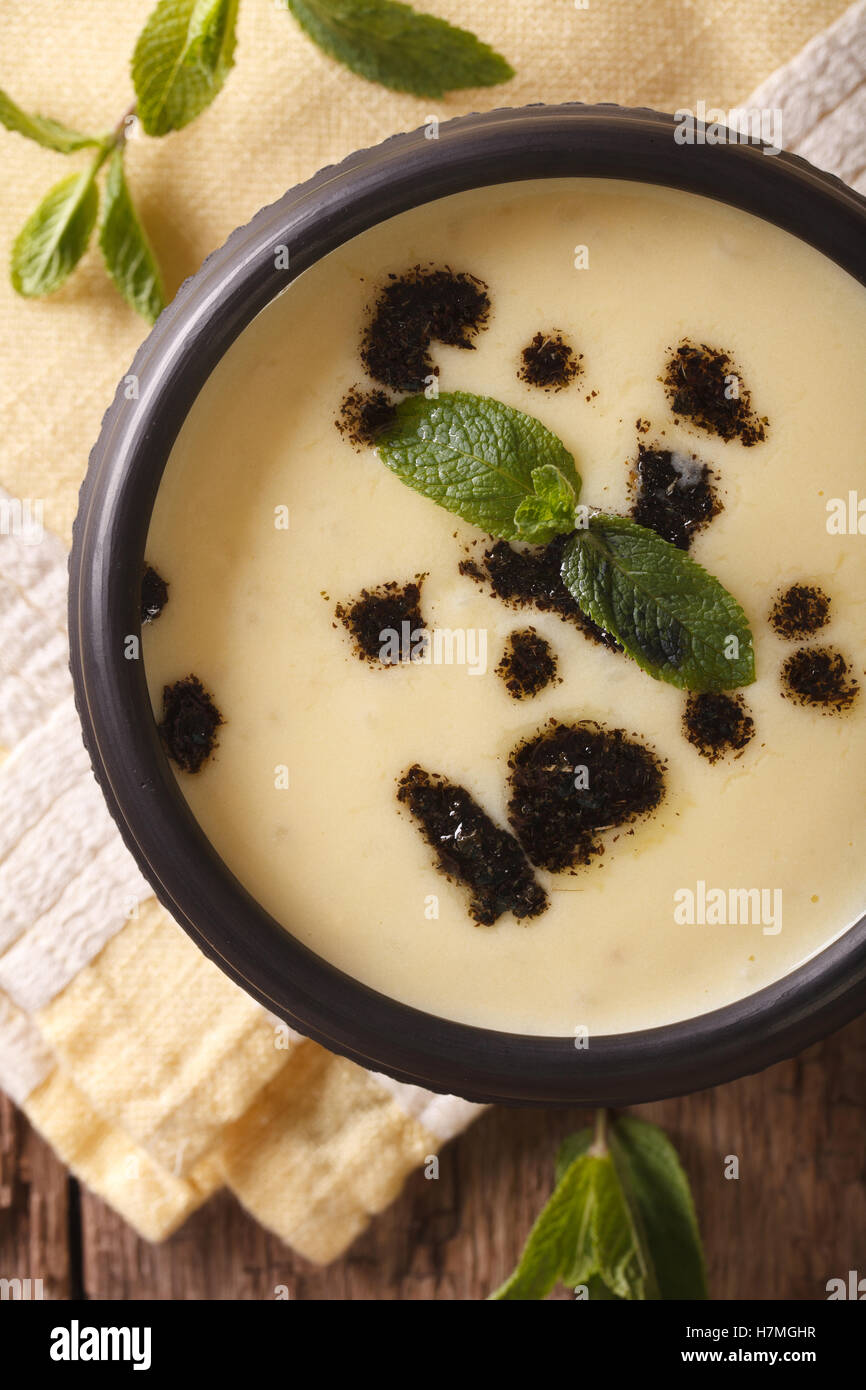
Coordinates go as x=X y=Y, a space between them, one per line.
x=125 y=469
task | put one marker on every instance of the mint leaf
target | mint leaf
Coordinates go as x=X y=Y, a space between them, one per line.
x=42 y=129
x=555 y=1237
x=585 y=1231
x=622 y=1257
x=125 y=248
x=181 y=60
x=599 y=1292
x=597 y=1250
x=677 y=622
x=648 y=1165
x=551 y=511
x=620 y=1221
x=54 y=238
x=580 y=1266
x=396 y=46
x=475 y=457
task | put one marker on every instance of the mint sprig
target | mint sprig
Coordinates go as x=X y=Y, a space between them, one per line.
x=551 y=510
x=479 y=459
x=507 y=473
x=620 y=1222
x=394 y=45
x=181 y=60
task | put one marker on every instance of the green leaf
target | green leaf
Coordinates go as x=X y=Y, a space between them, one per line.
x=649 y=1167
x=474 y=456
x=129 y=259
x=554 y=1238
x=550 y=512
x=599 y=1292
x=620 y=1221
x=581 y=1268
x=586 y=1229
x=54 y=238
x=42 y=129
x=676 y=621
x=616 y=1247
x=582 y=1264
x=181 y=60
x=396 y=46
x=622 y=1256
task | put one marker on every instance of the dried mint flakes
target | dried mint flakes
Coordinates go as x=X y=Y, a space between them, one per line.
x=154 y=594
x=364 y=415
x=570 y=782
x=391 y=609
x=549 y=362
x=533 y=578
x=190 y=720
x=704 y=385
x=800 y=611
x=470 y=848
x=528 y=664
x=411 y=312
x=820 y=677
x=716 y=723
x=674 y=495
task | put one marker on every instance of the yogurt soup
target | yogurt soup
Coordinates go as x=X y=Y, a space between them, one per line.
x=406 y=736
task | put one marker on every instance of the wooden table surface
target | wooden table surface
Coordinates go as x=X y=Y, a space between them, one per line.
x=794 y=1218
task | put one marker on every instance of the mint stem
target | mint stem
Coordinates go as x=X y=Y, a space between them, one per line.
x=599 y=1143
x=119 y=134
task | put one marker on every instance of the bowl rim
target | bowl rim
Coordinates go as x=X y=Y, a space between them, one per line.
x=116 y=500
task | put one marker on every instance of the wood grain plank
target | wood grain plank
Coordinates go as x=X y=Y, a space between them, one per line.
x=33 y=1207
x=794 y=1218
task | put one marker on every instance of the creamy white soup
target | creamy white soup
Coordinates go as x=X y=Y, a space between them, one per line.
x=269 y=519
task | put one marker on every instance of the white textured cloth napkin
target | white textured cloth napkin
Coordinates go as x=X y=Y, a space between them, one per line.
x=822 y=97
x=157 y=1092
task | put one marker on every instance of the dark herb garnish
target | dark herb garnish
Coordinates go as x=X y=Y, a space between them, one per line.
x=505 y=472
x=704 y=385
x=154 y=594
x=470 y=569
x=819 y=676
x=386 y=624
x=717 y=723
x=471 y=848
x=190 y=720
x=572 y=781
x=411 y=312
x=533 y=579
x=549 y=362
x=674 y=495
x=799 y=611
x=364 y=415
x=528 y=664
